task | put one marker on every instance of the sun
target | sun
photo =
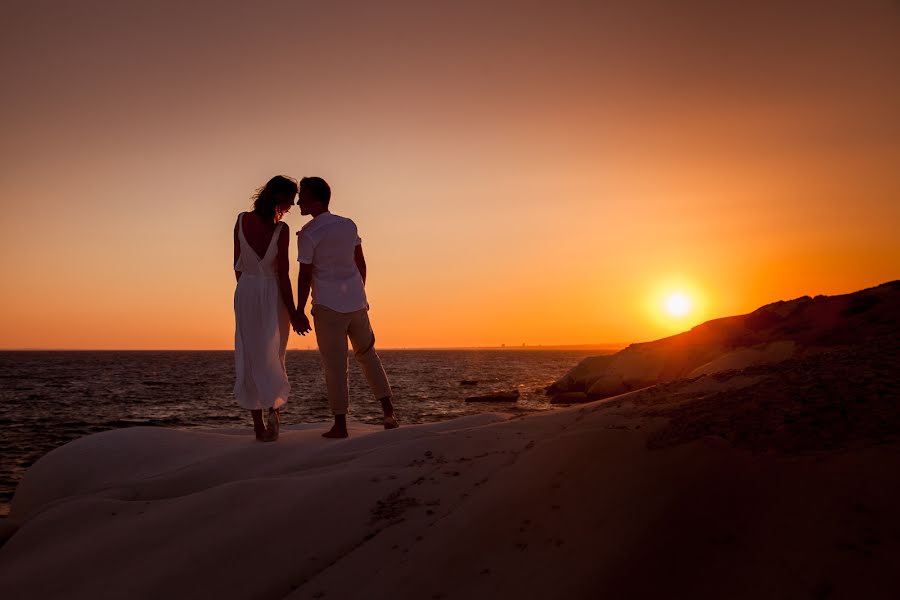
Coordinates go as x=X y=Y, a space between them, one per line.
x=675 y=303
x=678 y=304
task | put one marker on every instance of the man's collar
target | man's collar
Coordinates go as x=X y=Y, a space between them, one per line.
x=313 y=220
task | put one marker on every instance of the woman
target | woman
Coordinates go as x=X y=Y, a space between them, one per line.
x=263 y=305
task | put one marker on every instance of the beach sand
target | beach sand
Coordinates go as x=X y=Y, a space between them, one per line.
x=595 y=500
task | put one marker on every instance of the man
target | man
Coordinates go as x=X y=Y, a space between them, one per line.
x=332 y=264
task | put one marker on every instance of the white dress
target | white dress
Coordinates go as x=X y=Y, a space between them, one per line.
x=262 y=325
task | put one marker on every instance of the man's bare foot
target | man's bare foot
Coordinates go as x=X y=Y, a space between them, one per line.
x=336 y=432
x=339 y=429
x=390 y=422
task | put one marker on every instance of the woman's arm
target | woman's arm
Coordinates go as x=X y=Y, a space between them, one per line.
x=284 y=279
x=237 y=248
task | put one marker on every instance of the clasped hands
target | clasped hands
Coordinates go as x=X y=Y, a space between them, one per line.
x=300 y=323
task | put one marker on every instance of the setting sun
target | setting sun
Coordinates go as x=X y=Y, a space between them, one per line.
x=678 y=304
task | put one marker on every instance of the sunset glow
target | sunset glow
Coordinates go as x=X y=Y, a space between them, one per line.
x=519 y=175
x=678 y=305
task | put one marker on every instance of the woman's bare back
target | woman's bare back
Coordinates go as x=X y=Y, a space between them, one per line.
x=257 y=232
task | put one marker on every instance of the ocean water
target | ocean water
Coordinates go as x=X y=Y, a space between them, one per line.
x=50 y=398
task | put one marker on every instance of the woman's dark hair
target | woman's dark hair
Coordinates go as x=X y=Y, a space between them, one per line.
x=318 y=188
x=266 y=198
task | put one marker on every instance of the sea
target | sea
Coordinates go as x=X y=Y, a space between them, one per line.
x=49 y=398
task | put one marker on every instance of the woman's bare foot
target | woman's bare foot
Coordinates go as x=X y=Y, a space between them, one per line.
x=265 y=435
x=273 y=425
x=259 y=426
x=268 y=436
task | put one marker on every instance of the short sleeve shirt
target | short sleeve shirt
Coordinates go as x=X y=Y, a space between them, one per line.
x=328 y=243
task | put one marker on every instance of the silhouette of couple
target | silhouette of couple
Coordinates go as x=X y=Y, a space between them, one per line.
x=333 y=267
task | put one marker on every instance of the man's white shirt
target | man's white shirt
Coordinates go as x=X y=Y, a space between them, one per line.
x=328 y=243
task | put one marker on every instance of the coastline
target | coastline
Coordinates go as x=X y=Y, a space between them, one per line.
x=49 y=399
x=755 y=456
x=575 y=502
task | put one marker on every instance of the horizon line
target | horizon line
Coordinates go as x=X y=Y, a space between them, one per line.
x=604 y=345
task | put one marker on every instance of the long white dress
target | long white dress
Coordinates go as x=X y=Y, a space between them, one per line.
x=262 y=326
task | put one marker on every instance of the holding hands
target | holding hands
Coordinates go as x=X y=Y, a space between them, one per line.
x=300 y=323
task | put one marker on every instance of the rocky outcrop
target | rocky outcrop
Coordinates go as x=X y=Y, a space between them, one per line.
x=748 y=357
x=570 y=398
x=770 y=334
x=510 y=396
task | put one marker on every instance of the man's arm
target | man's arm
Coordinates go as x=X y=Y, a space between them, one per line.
x=304 y=280
x=360 y=261
x=304 y=283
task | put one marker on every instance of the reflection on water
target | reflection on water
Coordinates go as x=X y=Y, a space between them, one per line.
x=50 y=398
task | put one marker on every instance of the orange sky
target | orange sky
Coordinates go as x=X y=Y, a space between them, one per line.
x=542 y=175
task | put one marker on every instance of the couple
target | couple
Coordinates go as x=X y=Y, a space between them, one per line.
x=332 y=266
